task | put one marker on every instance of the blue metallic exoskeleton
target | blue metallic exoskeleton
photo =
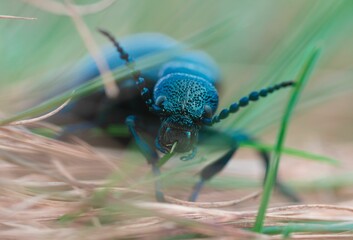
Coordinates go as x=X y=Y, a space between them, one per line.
x=175 y=102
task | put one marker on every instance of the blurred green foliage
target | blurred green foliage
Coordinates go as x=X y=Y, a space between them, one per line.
x=265 y=42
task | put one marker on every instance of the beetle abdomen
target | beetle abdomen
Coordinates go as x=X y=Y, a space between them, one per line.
x=195 y=63
x=137 y=45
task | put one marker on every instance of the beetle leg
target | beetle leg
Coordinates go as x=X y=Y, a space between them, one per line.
x=190 y=156
x=285 y=190
x=233 y=139
x=150 y=154
x=209 y=171
x=75 y=127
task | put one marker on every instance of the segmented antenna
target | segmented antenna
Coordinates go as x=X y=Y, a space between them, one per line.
x=243 y=102
x=136 y=74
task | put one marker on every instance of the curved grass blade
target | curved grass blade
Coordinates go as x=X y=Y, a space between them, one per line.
x=301 y=80
x=293 y=152
x=310 y=228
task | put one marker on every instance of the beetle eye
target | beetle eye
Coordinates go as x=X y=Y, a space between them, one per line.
x=208 y=111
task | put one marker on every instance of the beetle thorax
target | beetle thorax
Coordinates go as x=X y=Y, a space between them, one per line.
x=186 y=95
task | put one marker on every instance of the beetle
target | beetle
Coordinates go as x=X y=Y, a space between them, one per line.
x=175 y=102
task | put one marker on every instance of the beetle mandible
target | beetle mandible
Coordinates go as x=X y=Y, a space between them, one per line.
x=181 y=99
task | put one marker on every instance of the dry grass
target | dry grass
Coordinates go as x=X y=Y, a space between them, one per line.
x=16 y=17
x=51 y=189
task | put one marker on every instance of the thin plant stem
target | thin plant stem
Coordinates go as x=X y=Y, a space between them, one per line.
x=301 y=81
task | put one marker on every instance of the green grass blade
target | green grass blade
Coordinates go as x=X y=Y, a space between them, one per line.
x=293 y=152
x=269 y=183
x=309 y=227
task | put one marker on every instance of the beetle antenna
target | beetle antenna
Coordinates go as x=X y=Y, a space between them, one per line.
x=136 y=74
x=243 y=102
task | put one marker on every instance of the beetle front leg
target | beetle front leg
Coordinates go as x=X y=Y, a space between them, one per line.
x=210 y=171
x=150 y=154
x=234 y=139
x=74 y=128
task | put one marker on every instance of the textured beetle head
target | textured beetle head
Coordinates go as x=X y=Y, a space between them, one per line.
x=177 y=129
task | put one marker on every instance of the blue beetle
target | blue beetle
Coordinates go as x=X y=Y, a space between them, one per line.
x=174 y=102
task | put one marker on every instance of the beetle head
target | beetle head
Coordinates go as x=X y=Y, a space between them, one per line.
x=177 y=129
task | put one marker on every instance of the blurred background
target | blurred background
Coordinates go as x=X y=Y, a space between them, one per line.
x=255 y=44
